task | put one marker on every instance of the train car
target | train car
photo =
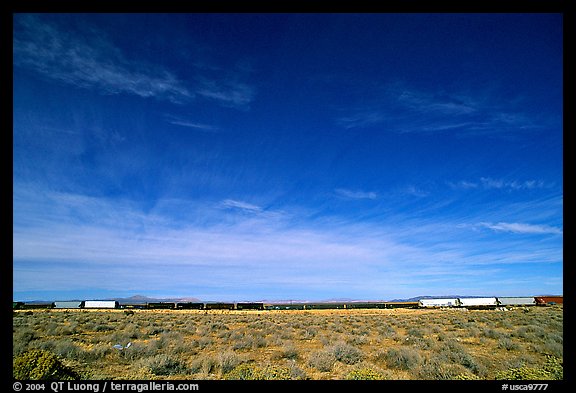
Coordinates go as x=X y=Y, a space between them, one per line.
x=161 y=305
x=324 y=306
x=516 y=301
x=37 y=305
x=285 y=306
x=219 y=306
x=548 y=300
x=437 y=303
x=358 y=305
x=101 y=304
x=189 y=306
x=249 y=306
x=69 y=304
x=478 y=302
x=402 y=304
x=133 y=306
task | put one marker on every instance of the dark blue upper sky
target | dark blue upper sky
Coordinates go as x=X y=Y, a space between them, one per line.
x=287 y=156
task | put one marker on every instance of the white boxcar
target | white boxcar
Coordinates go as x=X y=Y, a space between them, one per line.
x=517 y=301
x=438 y=302
x=478 y=301
x=100 y=304
x=69 y=304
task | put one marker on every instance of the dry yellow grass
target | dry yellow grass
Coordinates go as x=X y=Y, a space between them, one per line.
x=310 y=344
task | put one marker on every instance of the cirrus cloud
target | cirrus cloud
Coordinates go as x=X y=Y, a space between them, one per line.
x=355 y=194
x=90 y=62
x=515 y=227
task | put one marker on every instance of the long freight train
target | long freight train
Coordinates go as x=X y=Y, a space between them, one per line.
x=471 y=302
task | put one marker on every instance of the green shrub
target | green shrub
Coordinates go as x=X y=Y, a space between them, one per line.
x=553 y=369
x=491 y=333
x=523 y=373
x=550 y=347
x=38 y=364
x=274 y=372
x=248 y=341
x=67 y=349
x=322 y=360
x=435 y=368
x=296 y=372
x=228 y=361
x=205 y=364
x=163 y=364
x=25 y=336
x=386 y=330
x=346 y=353
x=402 y=358
x=357 y=339
x=507 y=344
x=204 y=342
x=416 y=332
x=288 y=351
x=242 y=372
x=251 y=372
x=455 y=352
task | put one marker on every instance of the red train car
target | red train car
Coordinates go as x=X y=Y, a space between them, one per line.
x=545 y=300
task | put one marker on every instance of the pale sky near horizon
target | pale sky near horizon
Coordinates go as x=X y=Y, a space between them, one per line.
x=287 y=156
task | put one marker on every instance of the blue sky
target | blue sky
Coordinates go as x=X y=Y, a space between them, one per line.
x=287 y=156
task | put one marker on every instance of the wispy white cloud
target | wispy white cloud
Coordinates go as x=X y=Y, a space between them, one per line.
x=361 y=119
x=449 y=127
x=464 y=184
x=514 y=185
x=233 y=204
x=488 y=183
x=203 y=127
x=520 y=228
x=400 y=109
x=229 y=93
x=355 y=194
x=89 y=62
x=414 y=191
x=437 y=103
x=179 y=121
